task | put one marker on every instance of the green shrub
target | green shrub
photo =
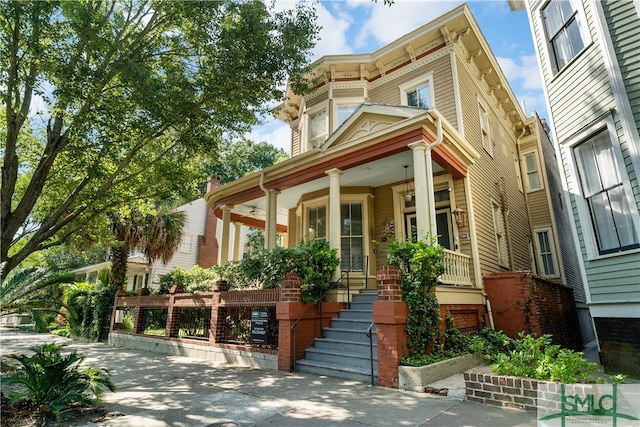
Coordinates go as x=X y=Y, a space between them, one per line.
x=195 y=279
x=53 y=383
x=315 y=263
x=537 y=358
x=491 y=343
x=420 y=263
x=88 y=309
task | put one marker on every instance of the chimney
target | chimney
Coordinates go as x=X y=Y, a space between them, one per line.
x=208 y=244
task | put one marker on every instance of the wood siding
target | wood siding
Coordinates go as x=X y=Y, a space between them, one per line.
x=487 y=177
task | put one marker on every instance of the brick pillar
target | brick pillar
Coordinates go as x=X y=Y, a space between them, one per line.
x=287 y=312
x=218 y=314
x=173 y=314
x=390 y=317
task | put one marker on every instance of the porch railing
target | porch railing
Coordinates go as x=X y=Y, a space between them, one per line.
x=456 y=269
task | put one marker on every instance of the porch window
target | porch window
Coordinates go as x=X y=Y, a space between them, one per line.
x=352 y=237
x=562 y=26
x=317 y=223
x=603 y=190
x=532 y=170
x=500 y=233
x=318 y=126
x=546 y=254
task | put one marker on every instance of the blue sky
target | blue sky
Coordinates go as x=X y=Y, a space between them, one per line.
x=362 y=26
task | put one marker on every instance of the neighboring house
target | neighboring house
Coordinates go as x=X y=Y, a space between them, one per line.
x=421 y=137
x=198 y=246
x=589 y=56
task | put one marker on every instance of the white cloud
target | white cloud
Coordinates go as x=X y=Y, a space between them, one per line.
x=333 y=35
x=522 y=69
x=387 y=23
x=274 y=132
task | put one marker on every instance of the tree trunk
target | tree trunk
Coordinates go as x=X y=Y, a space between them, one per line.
x=119 y=255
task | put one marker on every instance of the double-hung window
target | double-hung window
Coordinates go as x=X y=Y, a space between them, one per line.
x=603 y=190
x=419 y=96
x=484 y=129
x=317 y=223
x=344 y=112
x=546 y=254
x=352 y=237
x=318 y=128
x=562 y=26
x=501 y=234
x=532 y=170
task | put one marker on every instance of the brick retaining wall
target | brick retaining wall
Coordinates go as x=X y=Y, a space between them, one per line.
x=507 y=391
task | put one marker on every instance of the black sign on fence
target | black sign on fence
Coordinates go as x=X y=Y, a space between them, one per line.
x=259 y=325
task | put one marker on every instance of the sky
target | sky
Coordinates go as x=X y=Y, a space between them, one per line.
x=362 y=26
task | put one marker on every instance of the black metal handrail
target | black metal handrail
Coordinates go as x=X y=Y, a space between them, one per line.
x=370 y=336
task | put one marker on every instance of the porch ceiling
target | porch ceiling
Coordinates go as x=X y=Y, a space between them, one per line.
x=373 y=174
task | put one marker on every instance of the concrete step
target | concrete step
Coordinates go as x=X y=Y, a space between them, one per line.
x=357 y=314
x=346 y=346
x=357 y=324
x=338 y=358
x=353 y=335
x=347 y=372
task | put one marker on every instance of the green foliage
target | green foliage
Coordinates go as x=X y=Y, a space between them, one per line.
x=53 y=383
x=420 y=264
x=88 y=309
x=30 y=289
x=138 y=96
x=195 y=279
x=491 y=343
x=261 y=269
x=538 y=358
x=238 y=158
x=315 y=263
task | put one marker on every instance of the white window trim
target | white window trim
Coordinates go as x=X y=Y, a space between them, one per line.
x=343 y=102
x=483 y=107
x=584 y=33
x=412 y=84
x=525 y=172
x=186 y=244
x=554 y=251
x=588 y=232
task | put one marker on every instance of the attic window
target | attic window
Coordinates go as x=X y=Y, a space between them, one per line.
x=419 y=97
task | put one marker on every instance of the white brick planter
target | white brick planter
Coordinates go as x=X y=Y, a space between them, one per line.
x=416 y=378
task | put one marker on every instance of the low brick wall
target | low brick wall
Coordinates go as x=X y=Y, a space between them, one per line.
x=506 y=391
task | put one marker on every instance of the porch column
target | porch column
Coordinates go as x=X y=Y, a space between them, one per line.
x=420 y=183
x=226 y=219
x=334 y=209
x=431 y=199
x=236 y=240
x=271 y=221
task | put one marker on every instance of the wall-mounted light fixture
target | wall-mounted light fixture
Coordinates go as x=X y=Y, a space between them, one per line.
x=407 y=195
x=461 y=217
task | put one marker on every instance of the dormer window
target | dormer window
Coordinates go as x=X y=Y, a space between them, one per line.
x=318 y=125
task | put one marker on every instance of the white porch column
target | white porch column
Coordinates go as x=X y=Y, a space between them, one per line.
x=271 y=221
x=224 y=245
x=420 y=179
x=334 y=208
x=236 y=240
x=431 y=199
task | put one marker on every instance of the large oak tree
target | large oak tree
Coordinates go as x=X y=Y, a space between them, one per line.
x=135 y=97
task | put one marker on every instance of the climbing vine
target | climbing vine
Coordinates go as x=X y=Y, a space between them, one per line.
x=420 y=263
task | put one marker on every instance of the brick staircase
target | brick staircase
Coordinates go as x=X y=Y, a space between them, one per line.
x=344 y=350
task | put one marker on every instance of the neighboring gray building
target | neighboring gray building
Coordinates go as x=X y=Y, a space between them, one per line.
x=589 y=57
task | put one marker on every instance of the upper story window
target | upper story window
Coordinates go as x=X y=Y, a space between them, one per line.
x=418 y=92
x=419 y=96
x=546 y=254
x=500 y=234
x=562 y=27
x=603 y=189
x=533 y=181
x=484 y=129
x=344 y=112
x=185 y=244
x=318 y=128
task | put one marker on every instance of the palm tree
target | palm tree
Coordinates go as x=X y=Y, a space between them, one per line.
x=158 y=236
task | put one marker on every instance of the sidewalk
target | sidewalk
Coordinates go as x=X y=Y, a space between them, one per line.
x=159 y=390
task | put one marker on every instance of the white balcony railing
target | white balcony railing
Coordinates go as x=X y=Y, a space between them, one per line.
x=456 y=269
